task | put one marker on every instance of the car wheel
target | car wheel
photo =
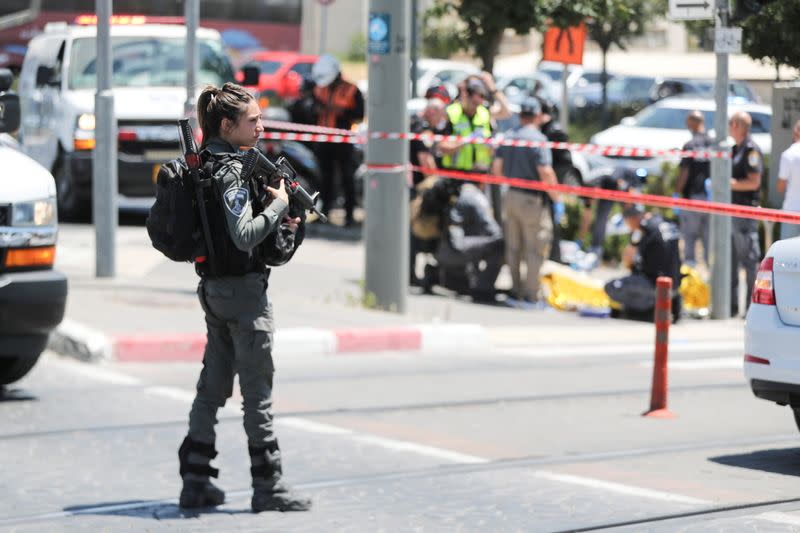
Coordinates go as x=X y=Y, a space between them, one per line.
x=14 y=368
x=572 y=177
x=71 y=207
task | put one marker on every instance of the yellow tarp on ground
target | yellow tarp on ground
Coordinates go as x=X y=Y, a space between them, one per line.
x=569 y=290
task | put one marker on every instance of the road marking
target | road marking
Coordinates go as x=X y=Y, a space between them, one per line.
x=619 y=488
x=95 y=372
x=618 y=349
x=715 y=363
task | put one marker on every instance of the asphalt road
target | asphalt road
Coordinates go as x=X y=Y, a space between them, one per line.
x=517 y=440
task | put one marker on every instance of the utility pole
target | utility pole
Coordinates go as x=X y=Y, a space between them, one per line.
x=386 y=190
x=721 y=186
x=414 y=45
x=192 y=19
x=104 y=168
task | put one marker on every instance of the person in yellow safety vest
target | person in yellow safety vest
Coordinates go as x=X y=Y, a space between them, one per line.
x=469 y=118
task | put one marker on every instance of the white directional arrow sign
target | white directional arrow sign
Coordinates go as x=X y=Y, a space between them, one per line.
x=691 y=9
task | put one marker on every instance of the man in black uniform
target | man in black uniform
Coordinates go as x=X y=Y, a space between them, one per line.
x=692 y=184
x=653 y=252
x=747 y=166
x=562 y=163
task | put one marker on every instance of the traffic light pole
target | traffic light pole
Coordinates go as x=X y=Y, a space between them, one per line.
x=386 y=189
x=721 y=187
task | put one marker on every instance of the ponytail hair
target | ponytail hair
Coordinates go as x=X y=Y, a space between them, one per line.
x=217 y=103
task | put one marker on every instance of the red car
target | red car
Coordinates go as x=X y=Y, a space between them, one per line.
x=281 y=72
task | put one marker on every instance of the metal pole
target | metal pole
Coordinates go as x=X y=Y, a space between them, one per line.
x=192 y=16
x=721 y=188
x=414 y=46
x=564 y=100
x=323 y=29
x=387 y=224
x=104 y=169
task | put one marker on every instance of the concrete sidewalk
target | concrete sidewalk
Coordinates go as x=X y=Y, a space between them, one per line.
x=149 y=311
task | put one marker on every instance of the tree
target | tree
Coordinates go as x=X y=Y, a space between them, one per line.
x=609 y=22
x=771 y=35
x=485 y=22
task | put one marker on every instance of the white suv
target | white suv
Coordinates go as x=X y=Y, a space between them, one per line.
x=32 y=294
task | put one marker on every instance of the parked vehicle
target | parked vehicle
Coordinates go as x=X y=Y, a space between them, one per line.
x=32 y=294
x=663 y=126
x=519 y=86
x=58 y=83
x=772 y=326
x=281 y=73
x=630 y=93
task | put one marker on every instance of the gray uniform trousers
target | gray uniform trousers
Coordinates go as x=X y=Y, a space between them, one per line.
x=746 y=252
x=694 y=226
x=240 y=336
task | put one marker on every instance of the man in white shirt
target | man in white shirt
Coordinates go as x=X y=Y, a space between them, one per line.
x=789 y=182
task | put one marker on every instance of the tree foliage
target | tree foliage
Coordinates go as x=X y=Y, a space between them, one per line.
x=485 y=22
x=772 y=34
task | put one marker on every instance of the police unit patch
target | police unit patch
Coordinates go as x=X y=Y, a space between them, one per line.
x=236 y=199
x=753 y=158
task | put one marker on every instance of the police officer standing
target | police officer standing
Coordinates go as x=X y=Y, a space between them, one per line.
x=653 y=252
x=691 y=184
x=527 y=220
x=238 y=313
x=747 y=167
x=469 y=118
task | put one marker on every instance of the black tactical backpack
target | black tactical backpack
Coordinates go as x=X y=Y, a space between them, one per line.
x=174 y=223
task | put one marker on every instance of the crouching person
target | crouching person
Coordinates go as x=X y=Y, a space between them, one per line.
x=653 y=252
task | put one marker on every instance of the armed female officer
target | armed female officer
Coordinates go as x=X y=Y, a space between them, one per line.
x=237 y=310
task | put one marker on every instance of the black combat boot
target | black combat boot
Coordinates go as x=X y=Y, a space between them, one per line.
x=195 y=458
x=270 y=492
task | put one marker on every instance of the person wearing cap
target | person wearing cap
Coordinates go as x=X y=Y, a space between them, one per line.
x=747 y=165
x=527 y=220
x=691 y=184
x=470 y=119
x=340 y=104
x=652 y=252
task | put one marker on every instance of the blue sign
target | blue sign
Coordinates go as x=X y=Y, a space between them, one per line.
x=379 y=31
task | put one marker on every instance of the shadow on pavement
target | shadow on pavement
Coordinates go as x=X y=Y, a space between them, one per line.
x=155 y=509
x=15 y=395
x=784 y=461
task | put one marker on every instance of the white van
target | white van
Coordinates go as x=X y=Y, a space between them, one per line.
x=58 y=84
x=32 y=294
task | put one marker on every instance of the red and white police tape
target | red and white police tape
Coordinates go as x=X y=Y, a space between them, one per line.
x=303 y=132
x=653 y=200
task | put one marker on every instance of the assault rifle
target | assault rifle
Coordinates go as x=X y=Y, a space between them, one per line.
x=194 y=164
x=255 y=164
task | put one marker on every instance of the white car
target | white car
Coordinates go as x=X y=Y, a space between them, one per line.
x=442 y=71
x=32 y=295
x=663 y=126
x=772 y=328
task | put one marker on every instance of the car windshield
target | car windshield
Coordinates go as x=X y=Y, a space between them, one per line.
x=148 y=62
x=675 y=119
x=268 y=67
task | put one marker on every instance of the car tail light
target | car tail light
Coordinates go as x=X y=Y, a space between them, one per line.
x=753 y=359
x=763 y=289
x=31 y=257
x=127 y=135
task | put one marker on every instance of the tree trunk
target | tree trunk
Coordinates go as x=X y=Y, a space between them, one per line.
x=604 y=111
x=489 y=49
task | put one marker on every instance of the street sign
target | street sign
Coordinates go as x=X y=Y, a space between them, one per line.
x=564 y=45
x=691 y=9
x=728 y=40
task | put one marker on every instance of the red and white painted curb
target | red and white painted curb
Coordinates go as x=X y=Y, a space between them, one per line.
x=81 y=342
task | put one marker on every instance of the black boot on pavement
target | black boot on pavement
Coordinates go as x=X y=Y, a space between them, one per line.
x=198 y=491
x=270 y=492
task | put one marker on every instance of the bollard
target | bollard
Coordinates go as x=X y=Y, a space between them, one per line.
x=662 y=319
